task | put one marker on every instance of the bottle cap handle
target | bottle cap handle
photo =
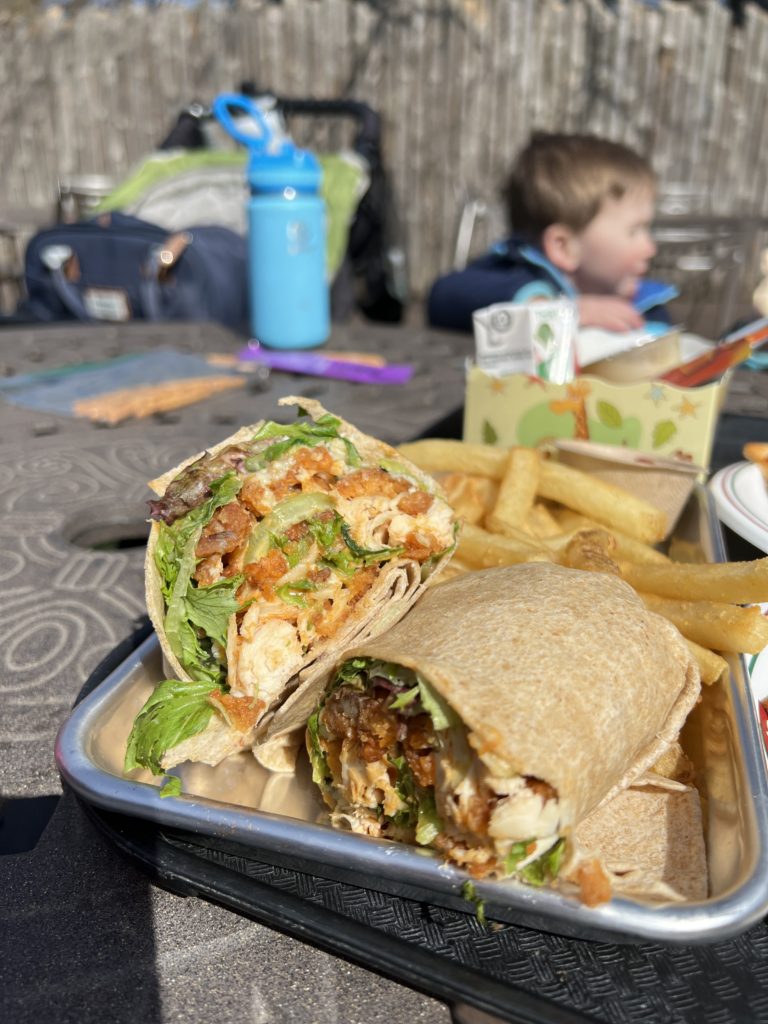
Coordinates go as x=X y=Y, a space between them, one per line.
x=222 y=110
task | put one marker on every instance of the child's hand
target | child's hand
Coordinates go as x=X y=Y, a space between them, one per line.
x=609 y=312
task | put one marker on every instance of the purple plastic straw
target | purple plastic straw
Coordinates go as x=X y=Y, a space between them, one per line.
x=315 y=365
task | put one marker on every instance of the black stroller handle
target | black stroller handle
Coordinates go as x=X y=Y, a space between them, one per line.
x=368 y=138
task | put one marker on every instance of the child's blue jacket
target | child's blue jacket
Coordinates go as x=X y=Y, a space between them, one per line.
x=511 y=271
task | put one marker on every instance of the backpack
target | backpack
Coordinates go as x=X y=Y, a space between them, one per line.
x=117 y=268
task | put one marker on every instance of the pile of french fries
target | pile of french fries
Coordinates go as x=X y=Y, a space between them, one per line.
x=518 y=505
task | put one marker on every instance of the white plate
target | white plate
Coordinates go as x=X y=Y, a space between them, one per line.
x=741 y=500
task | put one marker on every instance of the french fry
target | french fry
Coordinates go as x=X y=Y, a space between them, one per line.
x=681 y=550
x=628 y=549
x=711 y=665
x=454 y=568
x=591 y=550
x=484 y=550
x=471 y=497
x=541 y=523
x=438 y=455
x=711 y=624
x=583 y=522
x=517 y=491
x=604 y=502
x=736 y=582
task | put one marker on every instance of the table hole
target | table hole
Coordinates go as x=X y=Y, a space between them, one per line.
x=114 y=536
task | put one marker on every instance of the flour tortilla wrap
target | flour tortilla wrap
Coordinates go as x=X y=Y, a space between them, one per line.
x=524 y=699
x=650 y=843
x=268 y=553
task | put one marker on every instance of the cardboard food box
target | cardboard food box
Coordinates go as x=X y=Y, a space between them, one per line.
x=650 y=416
x=665 y=483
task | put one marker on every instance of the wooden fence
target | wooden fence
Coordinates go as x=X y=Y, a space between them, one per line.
x=460 y=85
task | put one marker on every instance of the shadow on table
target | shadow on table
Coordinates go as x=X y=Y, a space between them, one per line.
x=77 y=942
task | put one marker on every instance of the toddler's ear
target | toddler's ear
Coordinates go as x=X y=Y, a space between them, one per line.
x=562 y=247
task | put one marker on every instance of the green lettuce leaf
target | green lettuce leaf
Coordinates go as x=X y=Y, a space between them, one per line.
x=176 y=561
x=291 y=510
x=367 y=555
x=321 y=774
x=442 y=714
x=404 y=699
x=539 y=871
x=517 y=852
x=175 y=711
x=294 y=593
x=210 y=607
x=470 y=894
x=429 y=824
x=307 y=433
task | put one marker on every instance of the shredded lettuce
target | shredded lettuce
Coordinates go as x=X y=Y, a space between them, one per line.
x=171 y=786
x=294 y=593
x=351 y=672
x=517 y=852
x=288 y=512
x=305 y=432
x=537 y=872
x=429 y=824
x=442 y=714
x=326 y=531
x=367 y=555
x=404 y=699
x=175 y=711
x=321 y=774
x=398 y=469
x=469 y=893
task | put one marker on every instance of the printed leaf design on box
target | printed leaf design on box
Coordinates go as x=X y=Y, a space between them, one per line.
x=608 y=414
x=544 y=334
x=489 y=434
x=663 y=432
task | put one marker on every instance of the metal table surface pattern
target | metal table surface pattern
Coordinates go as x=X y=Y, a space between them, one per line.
x=86 y=937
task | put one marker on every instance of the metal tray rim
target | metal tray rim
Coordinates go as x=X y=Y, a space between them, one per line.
x=711 y=920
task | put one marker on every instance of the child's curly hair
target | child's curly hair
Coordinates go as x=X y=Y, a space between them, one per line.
x=564 y=179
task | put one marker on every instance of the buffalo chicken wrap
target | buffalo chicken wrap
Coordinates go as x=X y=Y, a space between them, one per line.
x=503 y=710
x=266 y=555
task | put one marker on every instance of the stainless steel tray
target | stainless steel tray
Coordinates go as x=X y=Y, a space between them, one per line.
x=279 y=817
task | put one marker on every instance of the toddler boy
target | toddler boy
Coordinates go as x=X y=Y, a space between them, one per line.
x=581 y=209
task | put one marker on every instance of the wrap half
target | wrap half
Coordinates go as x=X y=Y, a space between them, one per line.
x=506 y=707
x=267 y=554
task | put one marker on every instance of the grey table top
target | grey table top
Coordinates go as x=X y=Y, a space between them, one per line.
x=85 y=935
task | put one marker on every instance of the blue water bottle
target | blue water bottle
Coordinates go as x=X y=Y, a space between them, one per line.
x=289 y=293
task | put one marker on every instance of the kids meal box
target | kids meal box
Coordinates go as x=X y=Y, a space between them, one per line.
x=537 y=378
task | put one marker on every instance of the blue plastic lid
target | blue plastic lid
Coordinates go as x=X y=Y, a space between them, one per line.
x=274 y=164
x=289 y=167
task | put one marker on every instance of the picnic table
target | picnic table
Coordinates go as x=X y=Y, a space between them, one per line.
x=87 y=936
